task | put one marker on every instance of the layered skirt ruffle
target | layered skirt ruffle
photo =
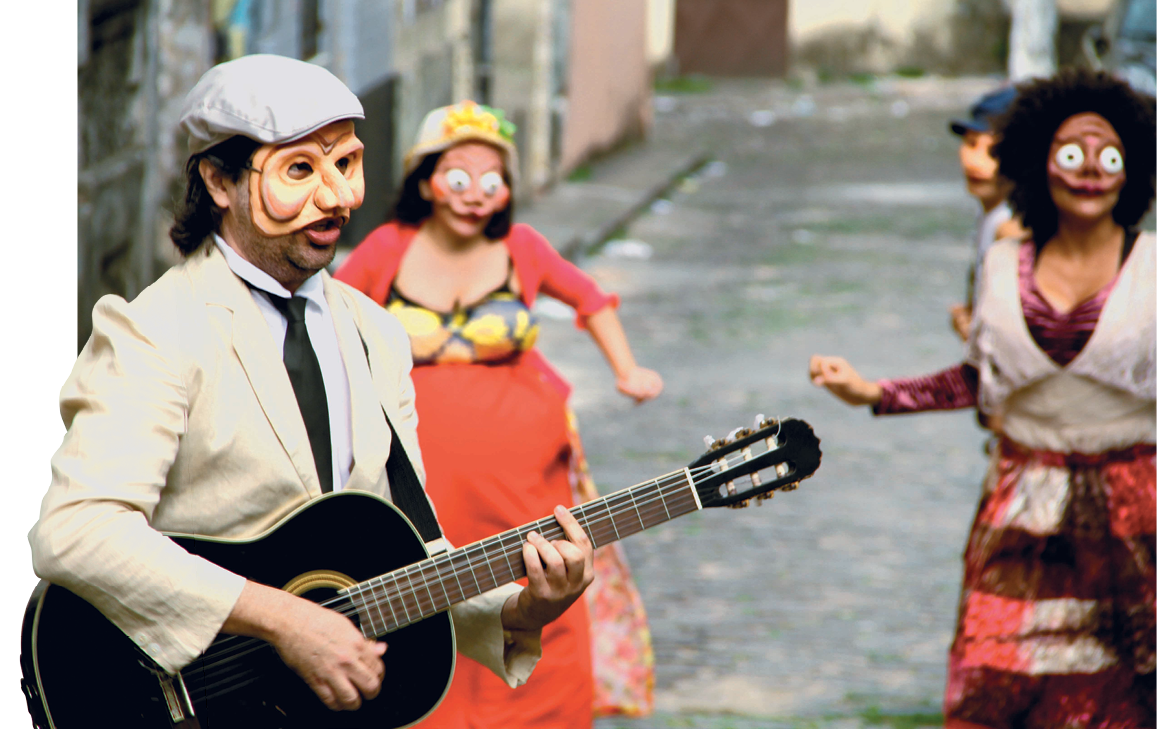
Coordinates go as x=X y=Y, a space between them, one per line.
x=1056 y=618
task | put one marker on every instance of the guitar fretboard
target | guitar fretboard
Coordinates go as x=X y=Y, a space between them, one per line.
x=399 y=598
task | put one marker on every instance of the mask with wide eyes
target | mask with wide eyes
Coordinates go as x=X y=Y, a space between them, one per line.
x=491 y=183
x=458 y=180
x=1070 y=157
x=1111 y=160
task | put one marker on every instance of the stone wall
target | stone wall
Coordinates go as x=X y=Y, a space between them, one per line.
x=136 y=60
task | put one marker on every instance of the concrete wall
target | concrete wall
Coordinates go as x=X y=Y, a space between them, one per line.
x=1084 y=9
x=136 y=60
x=808 y=19
x=432 y=60
x=358 y=41
x=519 y=76
x=938 y=35
x=660 y=32
x=872 y=36
x=609 y=84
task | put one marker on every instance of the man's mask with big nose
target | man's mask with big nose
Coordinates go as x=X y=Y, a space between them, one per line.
x=307 y=180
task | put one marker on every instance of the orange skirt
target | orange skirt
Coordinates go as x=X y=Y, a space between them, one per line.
x=497 y=452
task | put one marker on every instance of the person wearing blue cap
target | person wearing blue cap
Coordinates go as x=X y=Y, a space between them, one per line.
x=242 y=387
x=996 y=219
x=1056 y=624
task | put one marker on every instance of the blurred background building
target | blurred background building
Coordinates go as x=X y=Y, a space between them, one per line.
x=136 y=59
x=574 y=75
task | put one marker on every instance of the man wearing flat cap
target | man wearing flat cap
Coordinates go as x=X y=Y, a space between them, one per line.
x=246 y=382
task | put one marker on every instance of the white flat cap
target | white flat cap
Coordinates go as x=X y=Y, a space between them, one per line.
x=270 y=99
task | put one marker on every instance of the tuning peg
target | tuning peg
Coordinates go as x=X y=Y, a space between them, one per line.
x=713 y=445
x=759 y=421
x=733 y=434
x=740 y=504
x=790 y=486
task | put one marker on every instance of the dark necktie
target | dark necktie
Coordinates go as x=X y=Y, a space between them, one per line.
x=308 y=386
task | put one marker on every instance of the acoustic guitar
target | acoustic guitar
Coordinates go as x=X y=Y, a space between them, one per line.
x=357 y=554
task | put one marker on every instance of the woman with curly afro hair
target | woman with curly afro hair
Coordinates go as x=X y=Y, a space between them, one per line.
x=1056 y=618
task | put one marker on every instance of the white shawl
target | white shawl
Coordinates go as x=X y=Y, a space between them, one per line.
x=1106 y=397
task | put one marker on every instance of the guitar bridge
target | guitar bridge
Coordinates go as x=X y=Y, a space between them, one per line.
x=177 y=700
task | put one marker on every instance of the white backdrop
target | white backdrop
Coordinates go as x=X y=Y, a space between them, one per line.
x=38 y=219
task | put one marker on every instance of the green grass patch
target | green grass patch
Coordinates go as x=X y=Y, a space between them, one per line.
x=582 y=173
x=873 y=715
x=910 y=71
x=788 y=254
x=692 y=84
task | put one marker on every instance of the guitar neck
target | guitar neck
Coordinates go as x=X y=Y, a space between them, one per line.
x=405 y=596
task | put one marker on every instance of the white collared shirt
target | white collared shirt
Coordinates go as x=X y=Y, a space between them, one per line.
x=323 y=336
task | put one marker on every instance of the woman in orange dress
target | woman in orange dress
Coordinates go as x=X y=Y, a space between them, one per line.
x=496 y=435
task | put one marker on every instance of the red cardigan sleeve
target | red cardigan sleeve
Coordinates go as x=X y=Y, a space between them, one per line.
x=950 y=389
x=371 y=267
x=541 y=268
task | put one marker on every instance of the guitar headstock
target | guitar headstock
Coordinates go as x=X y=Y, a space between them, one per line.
x=754 y=463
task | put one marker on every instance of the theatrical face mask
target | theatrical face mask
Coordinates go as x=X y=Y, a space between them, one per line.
x=1086 y=166
x=307 y=180
x=467 y=187
x=980 y=168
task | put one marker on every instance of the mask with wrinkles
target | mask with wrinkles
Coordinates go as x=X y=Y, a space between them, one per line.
x=307 y=181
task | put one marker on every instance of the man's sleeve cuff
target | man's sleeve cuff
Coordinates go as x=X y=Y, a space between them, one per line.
x=509 y=654
x=523 y=649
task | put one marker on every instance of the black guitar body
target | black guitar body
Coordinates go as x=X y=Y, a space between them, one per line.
x=80 y=671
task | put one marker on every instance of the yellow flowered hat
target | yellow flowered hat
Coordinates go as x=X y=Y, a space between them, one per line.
x=465 y=121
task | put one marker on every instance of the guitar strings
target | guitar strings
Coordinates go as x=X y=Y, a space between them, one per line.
x=229 y=677
x=223 y=654
x=547 y=526
x=476 y=555
x=594 y=525
x=425 y=576
x=221 y=671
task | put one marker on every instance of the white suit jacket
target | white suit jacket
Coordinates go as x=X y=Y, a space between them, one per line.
x=181 y=418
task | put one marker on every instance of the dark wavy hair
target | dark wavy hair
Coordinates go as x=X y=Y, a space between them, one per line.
x=412 y=209
x=196 y=215
x=1027 y=129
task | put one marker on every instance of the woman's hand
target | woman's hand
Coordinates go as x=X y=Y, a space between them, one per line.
x=961 y=320
x=842 y=380
x=640 y=383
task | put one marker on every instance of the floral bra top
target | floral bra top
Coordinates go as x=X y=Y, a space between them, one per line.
x=496 y=328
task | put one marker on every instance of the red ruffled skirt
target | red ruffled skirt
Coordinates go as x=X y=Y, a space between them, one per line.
x=1056 y=621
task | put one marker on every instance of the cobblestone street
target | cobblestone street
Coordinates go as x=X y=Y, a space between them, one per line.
x=833 y=222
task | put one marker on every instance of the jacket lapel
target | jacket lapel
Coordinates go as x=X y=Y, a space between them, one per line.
x=371 y=437
x=258 y=355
